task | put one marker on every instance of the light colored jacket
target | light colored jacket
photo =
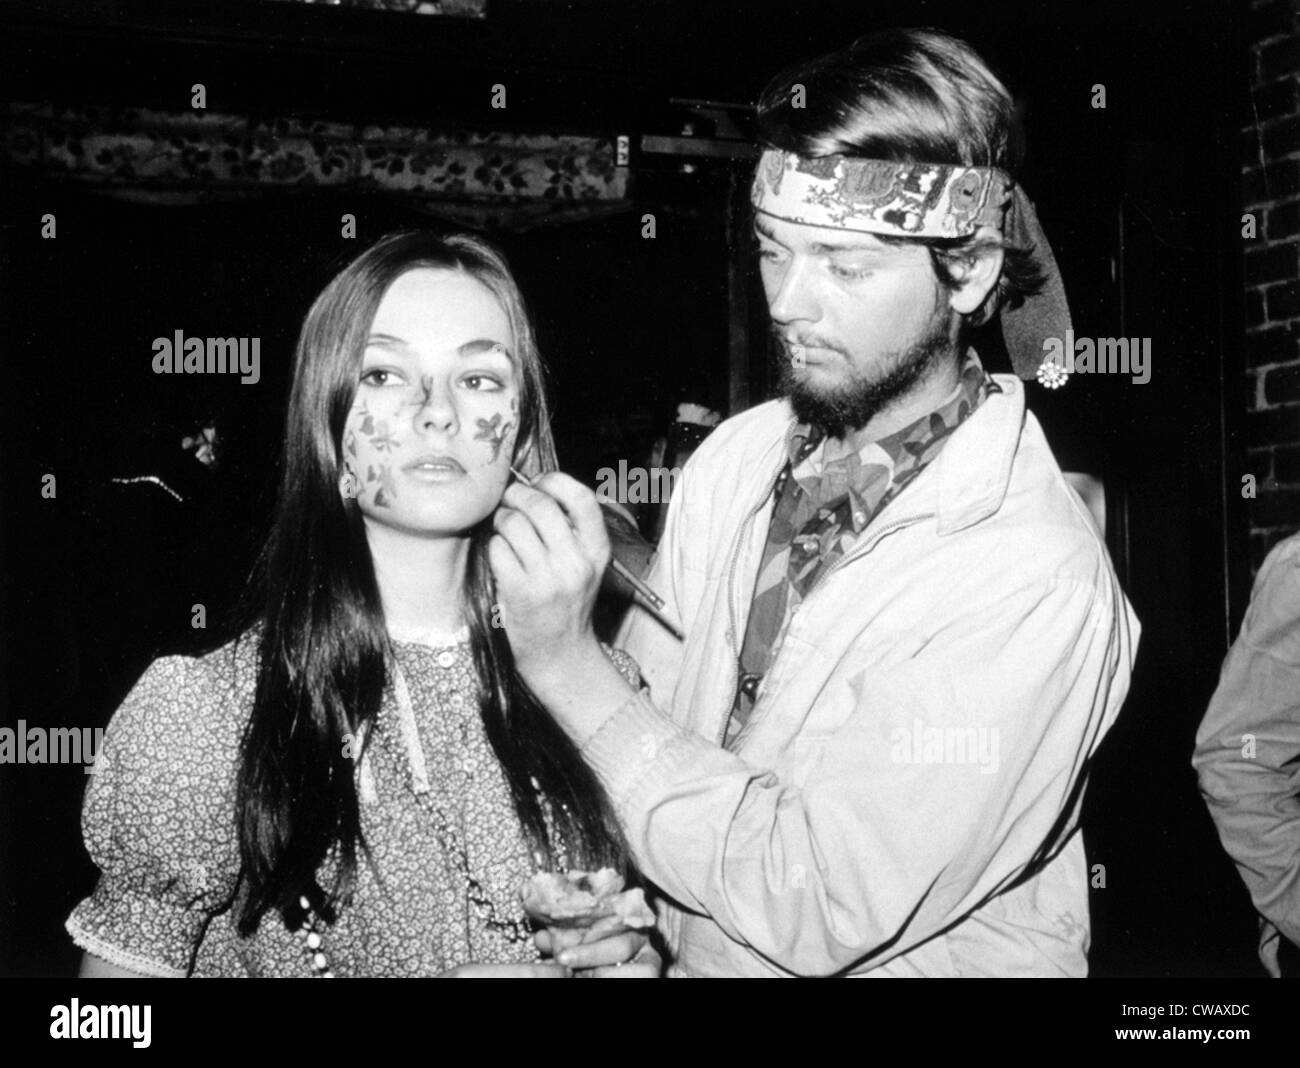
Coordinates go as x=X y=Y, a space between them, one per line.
x=920 y=742
x=1248 y=750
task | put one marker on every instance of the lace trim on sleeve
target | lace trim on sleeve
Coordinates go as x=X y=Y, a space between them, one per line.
x=123 y=958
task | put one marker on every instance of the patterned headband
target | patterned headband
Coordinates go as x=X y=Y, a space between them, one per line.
x=919 y=200
x=879 y=196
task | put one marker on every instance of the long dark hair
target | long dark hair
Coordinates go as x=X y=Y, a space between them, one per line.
x=324 y=650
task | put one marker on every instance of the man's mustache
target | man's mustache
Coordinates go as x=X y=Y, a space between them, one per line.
x=789 y=344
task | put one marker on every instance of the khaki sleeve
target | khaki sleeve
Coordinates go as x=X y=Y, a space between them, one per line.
x=1247 y=755
x=883 y=848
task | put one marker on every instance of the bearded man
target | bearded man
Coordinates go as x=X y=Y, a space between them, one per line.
x=904 y=636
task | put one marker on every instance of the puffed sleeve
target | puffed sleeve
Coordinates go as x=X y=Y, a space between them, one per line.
x=159 y=817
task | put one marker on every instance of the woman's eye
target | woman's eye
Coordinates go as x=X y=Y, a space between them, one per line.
x=378 y=377
x=482 y=383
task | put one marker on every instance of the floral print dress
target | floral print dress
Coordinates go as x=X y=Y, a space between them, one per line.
x=159 y=821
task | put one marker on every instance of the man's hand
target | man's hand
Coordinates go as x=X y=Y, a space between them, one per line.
x=507 y=971
x=606 y=950
x=549 y=556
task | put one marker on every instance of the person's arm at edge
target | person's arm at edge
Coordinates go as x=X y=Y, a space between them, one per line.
x=1247 y=756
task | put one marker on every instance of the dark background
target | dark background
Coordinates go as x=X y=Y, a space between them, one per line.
x=1139 y=200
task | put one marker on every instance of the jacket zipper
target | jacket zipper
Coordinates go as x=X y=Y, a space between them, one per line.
x=733 y=643
x=733 y=646
x=855 y=554
x=733 y=636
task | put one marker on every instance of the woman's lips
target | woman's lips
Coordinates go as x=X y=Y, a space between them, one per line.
x=434 y=468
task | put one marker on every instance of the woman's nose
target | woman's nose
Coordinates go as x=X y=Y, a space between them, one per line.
x=435 y=408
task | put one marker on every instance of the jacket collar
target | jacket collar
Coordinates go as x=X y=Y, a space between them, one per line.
x=968 y=480
x=974 y=469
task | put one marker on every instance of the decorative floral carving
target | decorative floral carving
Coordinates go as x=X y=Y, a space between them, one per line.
x=471 y=175
x=474 y=9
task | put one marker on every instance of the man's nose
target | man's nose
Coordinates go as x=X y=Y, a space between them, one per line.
x=794 y=299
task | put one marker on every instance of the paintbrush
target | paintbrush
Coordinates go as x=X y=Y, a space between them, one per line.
x=649 y=599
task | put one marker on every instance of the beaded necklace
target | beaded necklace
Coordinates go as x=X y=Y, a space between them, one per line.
x=516 y=928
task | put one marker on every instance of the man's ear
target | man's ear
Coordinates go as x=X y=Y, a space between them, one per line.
x=975 y=275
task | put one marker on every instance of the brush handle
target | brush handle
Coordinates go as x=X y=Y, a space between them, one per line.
x=645 y=591
x=648 y=597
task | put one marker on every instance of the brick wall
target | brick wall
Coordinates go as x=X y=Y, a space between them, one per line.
x=1271 y=192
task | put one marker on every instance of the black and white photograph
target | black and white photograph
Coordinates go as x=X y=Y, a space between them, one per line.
x=651 y=489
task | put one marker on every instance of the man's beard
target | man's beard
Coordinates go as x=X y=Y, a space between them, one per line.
x=852 y=405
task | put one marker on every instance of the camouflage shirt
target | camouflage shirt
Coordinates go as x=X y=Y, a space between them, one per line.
x=825 y=497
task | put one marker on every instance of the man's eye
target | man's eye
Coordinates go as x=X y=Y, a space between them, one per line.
x=849 y=273
x=378 y=377
x=771 y=255
x=482 y=383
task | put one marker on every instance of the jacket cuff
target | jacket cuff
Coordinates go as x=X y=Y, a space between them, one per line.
x=634 y=741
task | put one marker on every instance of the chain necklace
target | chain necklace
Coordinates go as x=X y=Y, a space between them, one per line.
x=516 y=929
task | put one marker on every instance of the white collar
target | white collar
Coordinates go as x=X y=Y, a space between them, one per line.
x=434 y=639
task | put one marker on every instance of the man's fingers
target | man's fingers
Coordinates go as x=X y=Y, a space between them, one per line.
x=602 y=928
x=518 y=529
x=627 y=971
x=554 y=940
x=504 y=562
x=543 y=510
x=540 y=534
x=546 y=970
x=606 y=951
x=564 y=511
x=583 y=510
x=508 y=971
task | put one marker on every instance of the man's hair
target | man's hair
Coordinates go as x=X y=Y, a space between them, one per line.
x=917 y=96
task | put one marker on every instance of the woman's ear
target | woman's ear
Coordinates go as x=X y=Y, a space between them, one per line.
x=975 y=273
x=349 y=484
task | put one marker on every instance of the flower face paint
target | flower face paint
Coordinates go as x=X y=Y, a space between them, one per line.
x=431 y=434
x=495 y=432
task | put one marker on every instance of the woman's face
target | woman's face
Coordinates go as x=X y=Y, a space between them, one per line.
x=428 y=443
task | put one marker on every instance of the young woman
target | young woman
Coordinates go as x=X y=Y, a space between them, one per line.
x=359 y=784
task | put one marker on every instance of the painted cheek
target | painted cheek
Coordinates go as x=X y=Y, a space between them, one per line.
x=375 y=422
x=497 y=432
x=369 y=444
x=375 y=482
